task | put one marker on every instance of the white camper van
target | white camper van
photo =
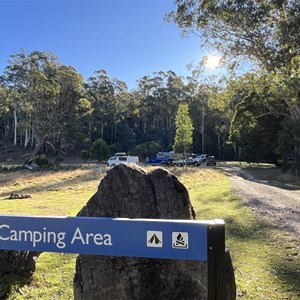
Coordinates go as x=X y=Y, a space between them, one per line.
x=116 y=160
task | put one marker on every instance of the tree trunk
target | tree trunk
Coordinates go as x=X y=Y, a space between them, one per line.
x=102 y=131
x=15 y=124
x=90 y=130
x=219 y=144
x=203 y=128
x=35 y=134
x=36 y=151
x=26 y=140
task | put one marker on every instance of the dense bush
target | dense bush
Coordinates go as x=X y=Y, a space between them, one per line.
x=42 y=161
x=99 y=150
x=148 y=149
x=85 y=155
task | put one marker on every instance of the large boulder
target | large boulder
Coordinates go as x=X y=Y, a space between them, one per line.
x=129 y=191
x=17 y=267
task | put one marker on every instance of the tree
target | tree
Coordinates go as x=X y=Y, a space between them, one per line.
x=4 y=112
x=148 y=149
x=99 y=150
x=44 y=94
x=256 y=125
x=264 y=31
x=109 y=98
x=184 y=130
x=158 y=97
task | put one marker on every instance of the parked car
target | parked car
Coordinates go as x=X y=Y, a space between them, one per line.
x=200 y=158
x=190 y=162
x=159 y=161
x=116 y=160
x=210 y=161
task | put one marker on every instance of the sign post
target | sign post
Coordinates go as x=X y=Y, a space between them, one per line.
x=152 y=238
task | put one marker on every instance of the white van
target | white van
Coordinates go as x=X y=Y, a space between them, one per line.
x=116 y=160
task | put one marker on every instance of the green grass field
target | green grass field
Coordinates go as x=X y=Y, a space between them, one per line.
x=266 y=260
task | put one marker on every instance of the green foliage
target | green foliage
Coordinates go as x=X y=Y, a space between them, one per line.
x=258 y=117
x=41 y=161
x=148 y=149
x=264 y=31
x=109 y=101
x=288 y=145
x=184 y=130
x=85 y=155
x=112 y=149
x=99 y=150
x=4 y=103
x=59 y=160
x=44 y=94
x=125 y=137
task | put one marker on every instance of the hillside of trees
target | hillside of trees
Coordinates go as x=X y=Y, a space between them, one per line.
x=253 y=116
x=41 y=97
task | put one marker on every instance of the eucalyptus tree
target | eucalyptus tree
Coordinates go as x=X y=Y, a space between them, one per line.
x=4 y=110
x=256 y=126
x=110 y=100
x=68 y=104
x=261 y=31
x=265 y=31
x=159 y=97
x=45 y=94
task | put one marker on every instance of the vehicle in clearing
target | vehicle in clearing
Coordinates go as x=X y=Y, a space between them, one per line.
x=200 y=158
x=116 y=160
x=189 y=162
x=211 y=161
x=159 y=161
x=120 y=154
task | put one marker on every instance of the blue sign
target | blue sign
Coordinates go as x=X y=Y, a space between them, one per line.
x=173 y=239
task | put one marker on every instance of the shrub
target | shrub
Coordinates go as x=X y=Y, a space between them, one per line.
x=99 y=150
x=148 y=149
x=85 y=155
x=41 y=161
x=58 y=160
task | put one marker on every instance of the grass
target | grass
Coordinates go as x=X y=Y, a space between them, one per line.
x=266 y=260
x=61 y=193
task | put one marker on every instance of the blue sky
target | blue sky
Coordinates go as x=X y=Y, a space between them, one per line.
x=127 y=38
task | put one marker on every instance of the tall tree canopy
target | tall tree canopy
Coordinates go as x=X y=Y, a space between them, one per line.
x=45 y=95
x=184 y=130
x=266 y=31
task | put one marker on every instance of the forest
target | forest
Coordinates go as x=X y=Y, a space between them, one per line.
x=252 y=116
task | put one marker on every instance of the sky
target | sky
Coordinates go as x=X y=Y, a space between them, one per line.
x=127 y=38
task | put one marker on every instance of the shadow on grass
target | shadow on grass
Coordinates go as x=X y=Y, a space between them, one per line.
x=249 y=232
x=287 y=268
x=271 y=176
x=48 y=186
x=283 y=255
x=278 y=184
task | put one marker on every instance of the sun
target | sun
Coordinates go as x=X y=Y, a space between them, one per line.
x=212 y=61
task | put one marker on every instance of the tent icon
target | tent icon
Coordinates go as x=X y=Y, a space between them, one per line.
x=154 y=239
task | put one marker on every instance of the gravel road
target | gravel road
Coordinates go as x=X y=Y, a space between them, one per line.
x=279 y=205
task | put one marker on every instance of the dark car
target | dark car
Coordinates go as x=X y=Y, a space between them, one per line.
x=210 y=161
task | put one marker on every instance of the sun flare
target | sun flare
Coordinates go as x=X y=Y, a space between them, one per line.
x=212 y=61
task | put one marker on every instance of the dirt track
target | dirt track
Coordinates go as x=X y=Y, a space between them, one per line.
x=277 y=204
